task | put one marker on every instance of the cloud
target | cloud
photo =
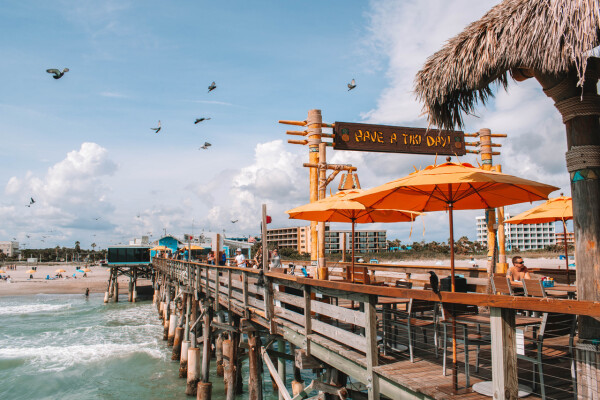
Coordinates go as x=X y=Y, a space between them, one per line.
x=70 y=195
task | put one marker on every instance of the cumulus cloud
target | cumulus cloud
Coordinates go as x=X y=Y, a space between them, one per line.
x=70 y=195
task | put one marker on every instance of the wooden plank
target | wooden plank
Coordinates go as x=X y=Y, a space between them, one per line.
x=340 y=335
x=289 y=299
x=288 y=314
x=254 y=302
x=340 y=313
x=307 y=319
x=371 y=347
x=504 y=355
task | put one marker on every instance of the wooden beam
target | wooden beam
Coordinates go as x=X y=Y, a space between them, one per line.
x=371 y=347
x=504 y=355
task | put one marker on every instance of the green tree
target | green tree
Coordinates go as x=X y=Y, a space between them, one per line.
x=77 y=246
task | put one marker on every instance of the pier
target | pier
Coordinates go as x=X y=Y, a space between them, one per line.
x=370 y=341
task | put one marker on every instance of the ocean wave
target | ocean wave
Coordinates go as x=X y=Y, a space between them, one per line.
x=58 y=358
x=32 y=308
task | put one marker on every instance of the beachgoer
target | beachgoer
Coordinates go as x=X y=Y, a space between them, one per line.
x=240 y=260
x=518 y=271
x=211 y=258
x=185 y=255
x=223 y=259
x=275 y=259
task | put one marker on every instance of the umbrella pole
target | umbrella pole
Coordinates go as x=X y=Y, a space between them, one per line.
x=453 y=289
x=566 y=251
x=352 y=250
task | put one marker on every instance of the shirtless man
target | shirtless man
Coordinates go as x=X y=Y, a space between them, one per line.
x=518 y=271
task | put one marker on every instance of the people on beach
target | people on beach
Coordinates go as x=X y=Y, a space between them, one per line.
x=240 y=260
x=518 y=271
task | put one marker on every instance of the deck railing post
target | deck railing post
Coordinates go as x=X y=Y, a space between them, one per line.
x=245 y=294
x=372 y=350
x=307 y=318
x=504 y=354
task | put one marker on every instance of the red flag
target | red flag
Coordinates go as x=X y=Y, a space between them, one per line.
x=269 y=219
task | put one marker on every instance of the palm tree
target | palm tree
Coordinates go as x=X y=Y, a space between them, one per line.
x=93 y=249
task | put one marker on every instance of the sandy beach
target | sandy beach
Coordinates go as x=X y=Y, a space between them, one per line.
x=21 y=284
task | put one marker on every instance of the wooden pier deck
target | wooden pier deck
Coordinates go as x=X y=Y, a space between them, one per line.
x=316 y=318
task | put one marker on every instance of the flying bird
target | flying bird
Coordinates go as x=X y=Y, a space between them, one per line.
x=31 y=201
x=206 y=146
x=57 y=74
x=212 y=87
x=233 y=221
x=434 y=282
x=351 y=85
x=156 y=130
x=96 y=219
x=201 y=119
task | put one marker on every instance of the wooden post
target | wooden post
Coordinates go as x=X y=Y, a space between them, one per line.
x=107 y=293
x=281 y=364
x=372 y=349
x=172 y=327
x=193 y=318
x=219 y=354
x=204 y=391
x=502 y=265
x=193 y=371
x=207 y=343
x=322 y=272
x=583 y=143
x=187 y=304
x=313 y=125
x=116 y=289
x=255 y=365
x=307 y=318
x=226 y=360
x=265 y=244
x=504 y=354
x=298 y=382
x=233 y=360
x=185 y=346
x=176 y=355
x=134 y=294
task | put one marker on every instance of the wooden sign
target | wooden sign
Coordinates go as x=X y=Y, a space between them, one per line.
x=397 y=139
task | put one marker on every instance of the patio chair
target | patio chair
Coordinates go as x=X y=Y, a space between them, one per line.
x=464 y=337
x=534 y=288
x=501 y=285
x=553 y=326
x=421 y=314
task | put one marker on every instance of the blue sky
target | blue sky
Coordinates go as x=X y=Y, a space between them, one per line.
x=83 y=148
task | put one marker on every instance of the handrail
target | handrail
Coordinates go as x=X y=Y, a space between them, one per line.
x=579 y=307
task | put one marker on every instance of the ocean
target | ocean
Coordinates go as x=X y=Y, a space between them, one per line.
x=69 y=347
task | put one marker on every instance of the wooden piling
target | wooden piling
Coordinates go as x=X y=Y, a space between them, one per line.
x=116 y=290
x=254 y=361
x=107 y=293
x=281 y=364
x=185 y=346
x=219 y=355
x=134 y=294
x=207 y=344
x=130 y=290
x=204 y=391
x=298 y=382
x=232 y=366
x=171 y=331
x=193 y=371
x=177 y=343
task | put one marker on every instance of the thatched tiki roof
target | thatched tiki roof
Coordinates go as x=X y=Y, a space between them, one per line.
x=547 y=36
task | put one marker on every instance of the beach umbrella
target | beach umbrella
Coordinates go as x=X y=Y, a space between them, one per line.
x=60 y=270
x=87 y=270
x=556 y=209
x=31 y=271
x=339 y=208
x=159 y=248
x=196 y=247
x=451 y=186
x=2 y=271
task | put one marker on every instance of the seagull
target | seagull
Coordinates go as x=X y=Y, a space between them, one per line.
x=57 y=74
x=233 y=221
x=96 y=219
x=206 y=146
x=434 y=282
x=157 y=129
x=28 y=236
x=201 y=119
x=351 y=85
x=212 y=87
x=31 y=201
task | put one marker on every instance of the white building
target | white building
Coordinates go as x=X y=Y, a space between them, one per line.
x=9 y=248
x=522 y=236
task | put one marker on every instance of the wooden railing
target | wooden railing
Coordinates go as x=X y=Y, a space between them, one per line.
x=294 y=307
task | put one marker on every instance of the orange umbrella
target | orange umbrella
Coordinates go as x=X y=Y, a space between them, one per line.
x=449 y=186
x=339 y=208
x=556 y=209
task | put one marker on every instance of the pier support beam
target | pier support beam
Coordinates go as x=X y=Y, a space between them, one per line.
x=183 y=361
x=298 y=382
x=177 y=344
x=204 y=391
x=281 y=364
x=207 y=343
x=219 y=355
x=255 y=365
x=193 y=371
x=232 y=355
x=171 y=331
x=116 y=288
x=134 y=291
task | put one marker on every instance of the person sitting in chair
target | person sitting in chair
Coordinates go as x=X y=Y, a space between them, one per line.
x=518 y=271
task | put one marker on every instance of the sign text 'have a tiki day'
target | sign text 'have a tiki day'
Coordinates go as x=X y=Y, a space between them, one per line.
x=397 y=139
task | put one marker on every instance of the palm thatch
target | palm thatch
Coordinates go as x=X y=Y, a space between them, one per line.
x=548 y=36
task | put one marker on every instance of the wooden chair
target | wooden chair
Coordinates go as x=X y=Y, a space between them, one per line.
x=501 y=285
x=534 y=288
x=361 y=274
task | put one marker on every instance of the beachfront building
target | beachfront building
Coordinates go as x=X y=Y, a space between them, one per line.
x=299 y=238
x=9 y=248
x=560 y=238
x=521 y=236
